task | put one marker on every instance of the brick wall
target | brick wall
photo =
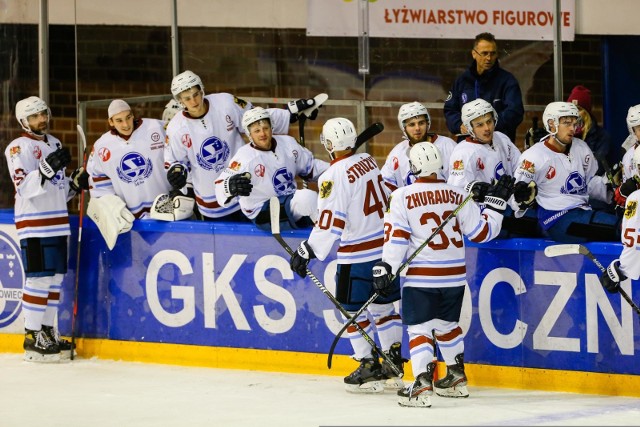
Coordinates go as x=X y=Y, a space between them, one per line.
x=121 y=62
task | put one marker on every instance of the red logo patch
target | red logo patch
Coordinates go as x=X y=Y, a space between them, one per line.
x=551 y=172
x=259 y=170
x=104 y=154
x=396 y=163
x=479 y=164
x=186 y=140
x=37 y=153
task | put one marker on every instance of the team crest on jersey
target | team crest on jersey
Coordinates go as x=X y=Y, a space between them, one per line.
x=396 y=163
x=11 y=280
x=283 y=182
x=458 y=165
x=37 y=153
x=186 y=140
x=134 y=168
x=551 y=173
x=575 y=184
x=630 y=209
x=241 y=102
x=235 y=166
x=104 y=154
x=528 y=166
x=479 y=165
x=14 y=151
x=325 y=189
x=259 y=170
x=213 y=154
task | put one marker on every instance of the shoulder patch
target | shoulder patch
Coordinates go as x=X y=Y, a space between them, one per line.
x=458 y=165
x=241 y=102
x=528 y=166
x=235 y=166
x=630 y=209
x=14 y=151
x=325 y=189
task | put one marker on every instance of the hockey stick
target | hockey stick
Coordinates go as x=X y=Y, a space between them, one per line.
x=301 y=121
x=402 y=267
x=367 y=134
x=83 y=138
x=577 y=249
x=274 y=209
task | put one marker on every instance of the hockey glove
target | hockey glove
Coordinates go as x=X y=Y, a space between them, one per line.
x=238 y=185
x=534 y=134
x=298 y=105
x=300 y=259
x=177 y=176
x=54 y=162
x=498 y=194
x=478 y=189
x=611 y=278
x=624 y=191
x=525 y=193
x=79 y=180
x=382 y=278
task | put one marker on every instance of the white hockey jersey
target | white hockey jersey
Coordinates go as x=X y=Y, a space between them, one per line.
x=396 y=170
x=630 y=256
x=40 y=204
x=415 y=212
x=352 y=198
x=475 y=161
x=564 y=181
x=273 y=172
x=132 y=168
x=206 y=144
x=628 y=168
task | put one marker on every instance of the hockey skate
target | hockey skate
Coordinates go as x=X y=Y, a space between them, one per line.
x=455 y=383
x=367 y=378
x=39 y=348
x=64 y=345
x=393 y=381
x=418 y=394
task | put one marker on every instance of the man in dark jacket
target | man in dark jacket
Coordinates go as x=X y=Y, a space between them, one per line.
x=485 y=79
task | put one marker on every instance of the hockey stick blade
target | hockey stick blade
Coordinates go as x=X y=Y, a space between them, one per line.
x=560 y=250
x=367 y=134
x=83 y=138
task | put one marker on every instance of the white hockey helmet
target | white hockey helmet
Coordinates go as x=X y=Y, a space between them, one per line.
x=28 y=106
x=633 y=117
x=254 y=115
x=171 y=109
x=411 y=110
x=557 y=110
x=338 y=134
x=425 y=159
x=474 y=109
x=183 y=81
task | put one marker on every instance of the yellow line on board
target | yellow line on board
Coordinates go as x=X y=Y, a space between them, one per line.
x=315 y=363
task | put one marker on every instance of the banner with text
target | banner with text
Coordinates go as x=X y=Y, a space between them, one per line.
x=444 y=19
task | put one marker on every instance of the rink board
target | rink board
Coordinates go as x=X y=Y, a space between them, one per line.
x=229 y=285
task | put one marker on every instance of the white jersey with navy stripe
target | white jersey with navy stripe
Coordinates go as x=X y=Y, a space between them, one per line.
x=352 y=198
x=132 y=168
x=415 y=212
x=40 y=204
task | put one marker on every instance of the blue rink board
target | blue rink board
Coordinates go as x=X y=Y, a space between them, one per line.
x=230 y=285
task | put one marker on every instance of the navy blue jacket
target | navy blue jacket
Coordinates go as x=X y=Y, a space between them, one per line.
x=599 y=140
x=496 y=86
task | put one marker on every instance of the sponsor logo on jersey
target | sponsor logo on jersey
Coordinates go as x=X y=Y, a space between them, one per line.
x=499 y=170
x=230 y=124
x=479 y=165
x=104 y=154
x=283 y=182
x=235 y=166
x=458 y=165
x=134 y=168
x=295 y=154
x=213 y=154
x=14 y=151
x=186 y=140
x=575 y=184
x=630 y=209
x=396 y=163
x=528 y=166
x=551 y=173
x=11 y=280
x=259 y=170
x=155 y=137
x=325 y=189
x=37 y=153
x=241 y=102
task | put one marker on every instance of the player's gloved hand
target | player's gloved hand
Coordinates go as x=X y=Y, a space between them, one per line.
x=177 y=176
x=499 y=193
x=616 y=175
x=298 y=105
x=79 y=180
x=382 y=278
x=238 y=185
x=611 y=278
x=534 y=134
x=525 y=193
x=300 y=259
x=54 y=162
x=478 y=189
x=622 y=192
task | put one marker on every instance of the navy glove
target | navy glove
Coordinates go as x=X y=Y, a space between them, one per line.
x=238 y=185
x=478 y=189
x=525 y=193
x=79 y=180
x=382 y=278
x=611 y=278
x=499 y=193
x=300 y=259
x=177 y=176
x=299 y=105
x=54 y=162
